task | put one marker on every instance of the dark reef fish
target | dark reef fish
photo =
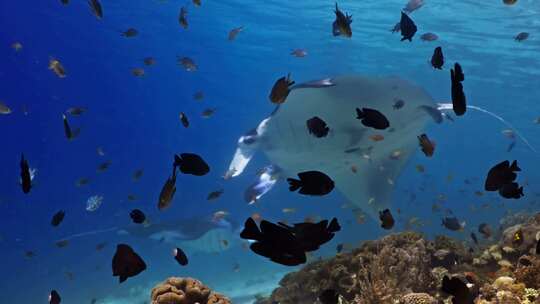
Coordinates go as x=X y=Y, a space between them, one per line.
x=329 y=296
x=281 y=89
x=184 y=120
x=501 y=178
x=407 y=27
x=57 y=218
x=317 y=127
x=96 y=8
x=458 y=289
x=180 y=256
x=137 y=216
x=311 y=183
x=459 y=102
x=190 y=163
x=485 y=230
x=372 y=118
x=182 y=18
x=453 y=224
x=126 y=263
x=427 y=145
x=26 y=179
x=287 y=245
x=474 y=238
x=437 y=60
x=54 y=297
x=167 y=192
x=387 y=220
x=342 y=24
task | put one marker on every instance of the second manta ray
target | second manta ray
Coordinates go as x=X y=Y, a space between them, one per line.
x=283 y=136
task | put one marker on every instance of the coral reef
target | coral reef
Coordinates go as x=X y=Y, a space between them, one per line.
x=527 y=241
x=185 y=291
x=378 y=272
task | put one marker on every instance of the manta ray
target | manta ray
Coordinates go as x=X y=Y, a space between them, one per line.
x=286 y=141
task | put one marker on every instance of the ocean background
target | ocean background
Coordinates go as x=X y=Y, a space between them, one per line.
x=135 y=121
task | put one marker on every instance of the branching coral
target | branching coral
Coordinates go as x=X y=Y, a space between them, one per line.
x=185 y=291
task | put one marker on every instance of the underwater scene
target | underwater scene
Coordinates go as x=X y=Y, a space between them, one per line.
x=270 y=152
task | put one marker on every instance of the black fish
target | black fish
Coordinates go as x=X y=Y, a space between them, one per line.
x=538 y=247
x=524 y=261
x=137 y=216
x=437 y=60
x=317 y=127
x=427 y=146
x=501 y=174
x=329 y=296
x=180 y=256
x=215 y=194
x=511 y=190
x=190 y=163
x=58 y=218
x=54 y=297
x=485 y=230
x=407 y=27
x=311 y=183
x=342 y=24
x=287 y=245
x=281 y=89
x=95 y=6
x=372 y=118
x=67 y=128
x=452 y=223
x=64 y=2
x=126 y=263
x=457 y=288
x=26 y=180
x=339 y=248
x=311 y=236
x=474 y=238
x=387 y=220
x=184 y=120
x=459 y=102
x=398 y=104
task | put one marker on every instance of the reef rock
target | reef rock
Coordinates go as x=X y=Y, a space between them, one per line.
x=418 y=298
x=528 y=229
x=380 y=271
x=185 y=291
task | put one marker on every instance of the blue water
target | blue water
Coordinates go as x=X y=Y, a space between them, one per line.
x=135 y=121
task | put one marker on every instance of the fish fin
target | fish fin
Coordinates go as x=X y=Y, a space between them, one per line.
x=514 y=166
x=251 y=231
x=294 y=184
x=334 y=226
x=359 y=114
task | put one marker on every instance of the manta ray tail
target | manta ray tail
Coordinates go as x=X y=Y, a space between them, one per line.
x=93 y=232
x=448 y=106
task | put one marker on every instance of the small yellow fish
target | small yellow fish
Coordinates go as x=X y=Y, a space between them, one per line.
x=17 y=46
x=57 y=68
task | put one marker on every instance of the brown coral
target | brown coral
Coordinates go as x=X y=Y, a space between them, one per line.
x=528 y=273
x=417 y=298
x=378 y=272
x=185 y=291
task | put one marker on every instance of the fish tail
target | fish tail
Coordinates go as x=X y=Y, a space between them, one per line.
x=514 y=166
x=359 y=113
x=334 y=226
x=251 y=231
x=294 y=184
